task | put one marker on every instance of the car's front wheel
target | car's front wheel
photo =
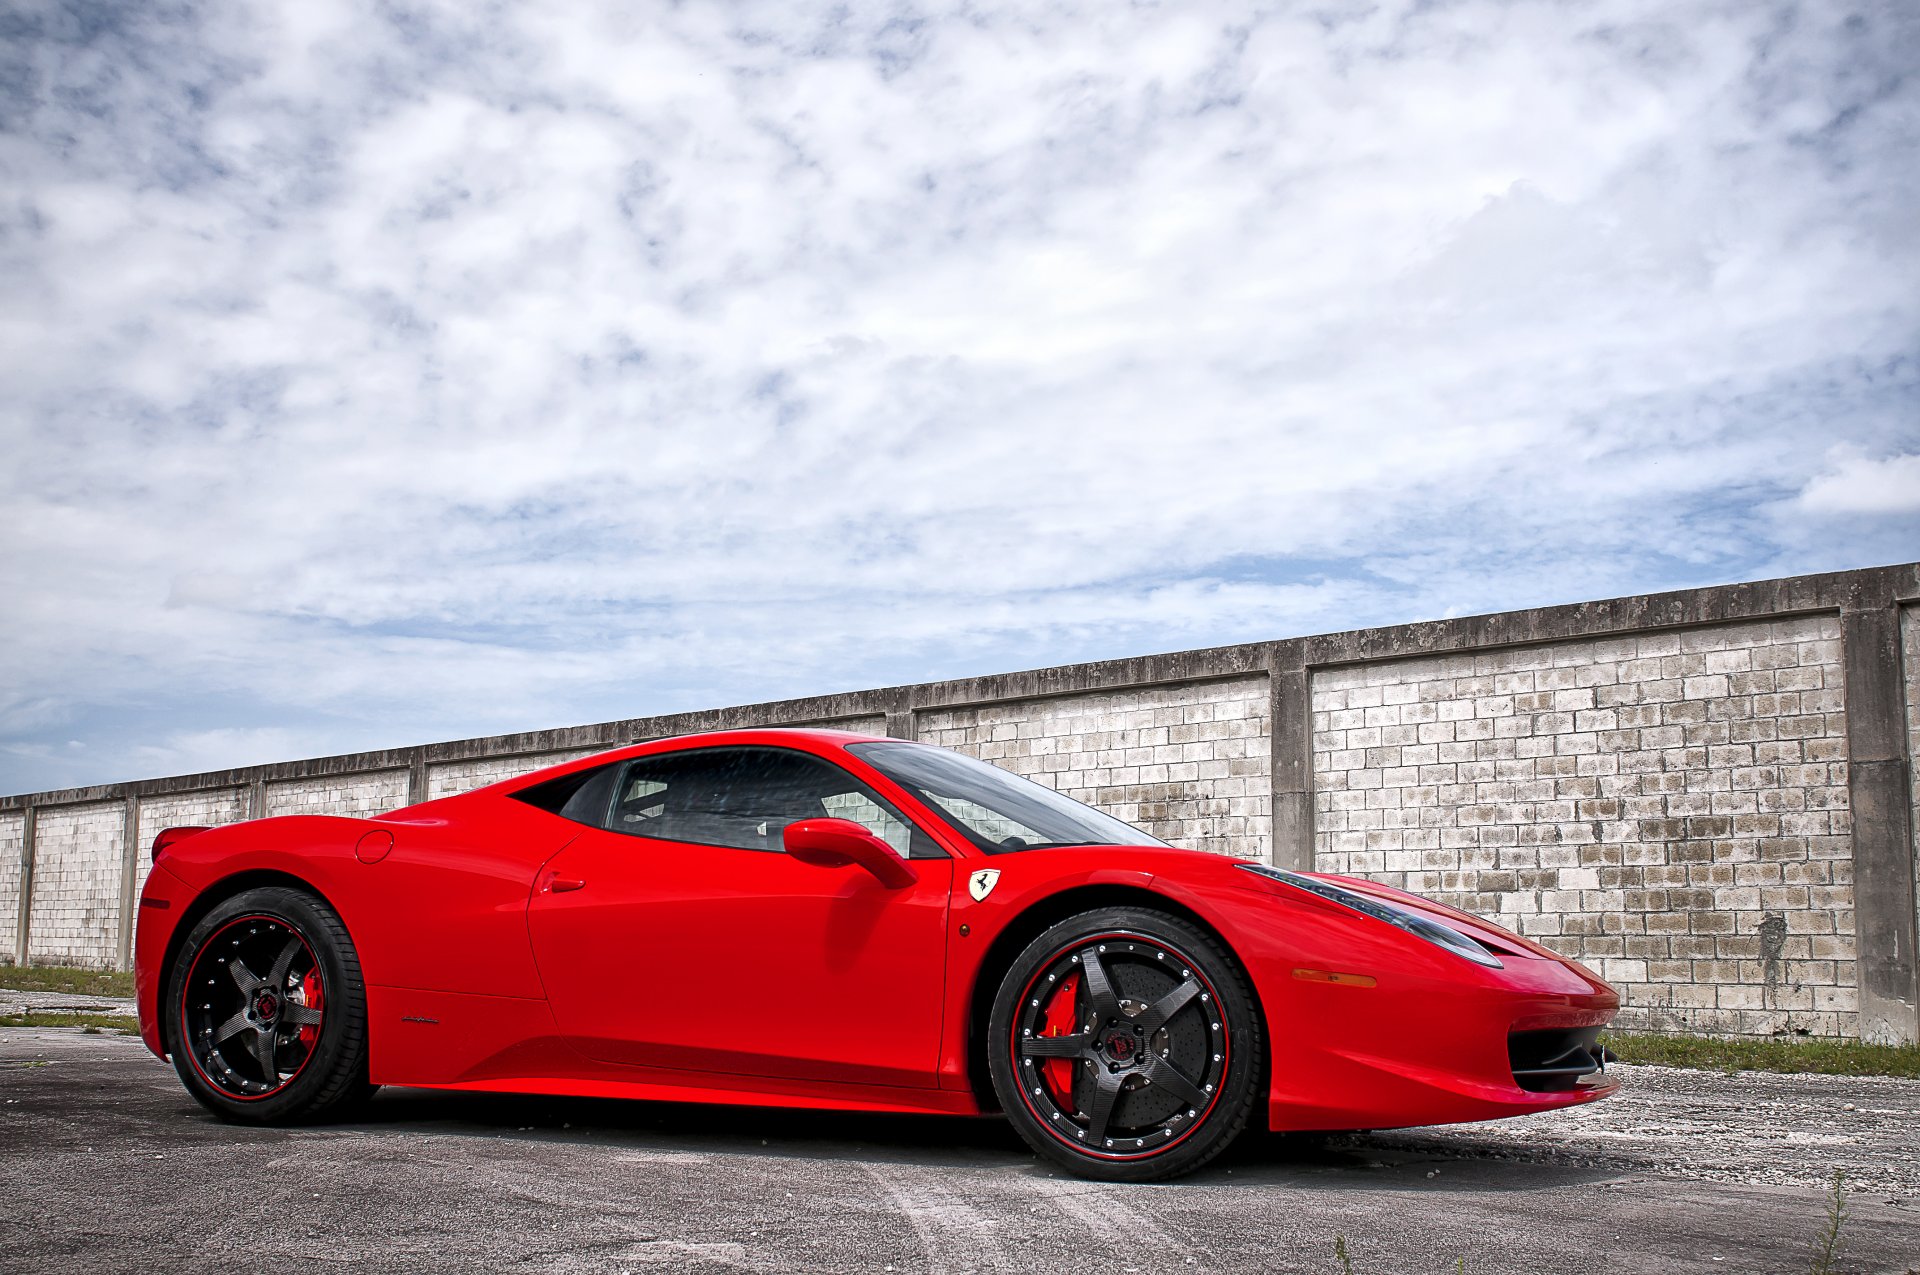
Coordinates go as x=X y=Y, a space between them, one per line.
x=266 y=1009
x=1124 y=1045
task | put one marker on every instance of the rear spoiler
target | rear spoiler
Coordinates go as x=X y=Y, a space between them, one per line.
x=170 y=835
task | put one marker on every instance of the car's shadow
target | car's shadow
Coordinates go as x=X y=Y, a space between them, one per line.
x=1386 y=1161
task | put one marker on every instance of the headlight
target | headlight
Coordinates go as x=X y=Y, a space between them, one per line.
x=1380 y=910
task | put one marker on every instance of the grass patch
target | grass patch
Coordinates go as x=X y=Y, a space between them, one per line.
x=1824 y=1056
x=92 y=1022
x=57 y=978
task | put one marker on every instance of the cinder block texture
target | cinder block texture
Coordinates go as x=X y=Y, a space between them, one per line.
x=351 y=796
x=210 y=809
x=13 y=827
x=450 y=779
x=875 y=725
x=1669 y=808
x=1189 y=763
x=76 y=885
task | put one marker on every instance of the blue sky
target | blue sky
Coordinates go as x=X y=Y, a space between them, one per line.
x=377 y=374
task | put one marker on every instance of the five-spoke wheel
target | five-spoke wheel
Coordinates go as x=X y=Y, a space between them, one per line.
x=249 y=1033
x=266 y=1013
x=1125 y=1045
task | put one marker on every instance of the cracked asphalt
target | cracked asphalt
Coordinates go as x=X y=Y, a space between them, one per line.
x=107 y=1165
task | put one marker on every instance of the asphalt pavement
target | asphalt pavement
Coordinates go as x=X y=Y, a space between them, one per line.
x=107 y=1165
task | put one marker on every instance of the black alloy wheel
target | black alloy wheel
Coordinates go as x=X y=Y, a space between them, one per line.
x=1124 y=1045
x=265 y=1009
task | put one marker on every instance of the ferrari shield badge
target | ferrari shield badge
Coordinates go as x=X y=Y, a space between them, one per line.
x=981 y=883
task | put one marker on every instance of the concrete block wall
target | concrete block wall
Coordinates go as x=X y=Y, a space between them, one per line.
x=75 y=906
x=210 y=809
x=348 y=796
x=454 y=778
x=13 y=839
x=1189 y=764
x=1670 y=808
x=1708 y=795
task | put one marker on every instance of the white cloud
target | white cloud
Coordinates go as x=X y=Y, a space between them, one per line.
x=380 y=374
x=1858 y=485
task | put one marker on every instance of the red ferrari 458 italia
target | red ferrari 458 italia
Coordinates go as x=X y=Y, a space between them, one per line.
x=816 y=919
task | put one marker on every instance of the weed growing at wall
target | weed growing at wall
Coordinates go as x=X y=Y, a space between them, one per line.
x=93 y=1023
x=60 y=978
x=1819 y=1055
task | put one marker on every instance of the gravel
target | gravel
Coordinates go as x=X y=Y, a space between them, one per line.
x=18 y=1002
x=1756 y=1128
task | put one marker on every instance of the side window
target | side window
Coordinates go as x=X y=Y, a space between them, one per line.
x=582 y=796
x=588 y=804
x=745 y=797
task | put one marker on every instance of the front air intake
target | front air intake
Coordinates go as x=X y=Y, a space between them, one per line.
x=1554 y=1061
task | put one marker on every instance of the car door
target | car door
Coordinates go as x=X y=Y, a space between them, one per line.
x=678 y=933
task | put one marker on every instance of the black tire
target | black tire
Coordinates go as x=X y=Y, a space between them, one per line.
x=281 y=1047
x=1151 y=1077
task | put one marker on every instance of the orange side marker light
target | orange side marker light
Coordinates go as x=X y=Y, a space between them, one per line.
x=1328 y=976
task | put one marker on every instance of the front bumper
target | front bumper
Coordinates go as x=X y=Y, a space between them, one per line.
x=1433 y=1040
x=1414 y=1058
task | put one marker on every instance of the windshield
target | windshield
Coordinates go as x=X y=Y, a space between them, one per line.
x=995 y=810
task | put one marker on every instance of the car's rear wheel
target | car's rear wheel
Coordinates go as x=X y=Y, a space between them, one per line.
x=266 y=1010
x=1124 y=1045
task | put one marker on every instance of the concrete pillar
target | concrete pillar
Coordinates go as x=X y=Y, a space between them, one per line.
x=27 y=834
x=901 y=724
x=257 y=799
x=1878 y=790
x=129 y=871
x=1291 y=725
x=417 y=777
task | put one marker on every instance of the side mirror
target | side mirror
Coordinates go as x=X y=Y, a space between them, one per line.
x=835 y=843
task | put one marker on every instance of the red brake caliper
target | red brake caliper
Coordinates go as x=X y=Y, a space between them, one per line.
x=1062 y=1020
x=316 y=996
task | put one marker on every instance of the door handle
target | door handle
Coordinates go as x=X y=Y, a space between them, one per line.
x=560 y=885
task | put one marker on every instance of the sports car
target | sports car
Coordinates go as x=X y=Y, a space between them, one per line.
x=810 y=918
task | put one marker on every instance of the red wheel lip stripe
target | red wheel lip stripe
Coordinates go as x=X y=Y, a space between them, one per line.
x=1226 y=1052
x=187 y=1041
